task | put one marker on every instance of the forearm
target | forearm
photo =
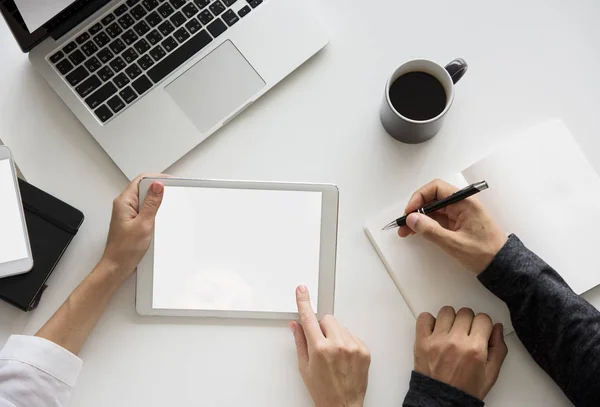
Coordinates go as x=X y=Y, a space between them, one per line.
x=427 y=392
x=560 y=329
x=71 y=325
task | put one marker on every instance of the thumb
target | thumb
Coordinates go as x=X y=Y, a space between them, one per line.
x=152 y=201
x=430 y=229
x=301 y=345
x=497 y=349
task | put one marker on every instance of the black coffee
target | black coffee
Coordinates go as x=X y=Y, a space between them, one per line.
x=418 y=96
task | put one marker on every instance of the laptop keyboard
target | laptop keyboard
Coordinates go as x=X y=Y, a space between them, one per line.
x=132 y=48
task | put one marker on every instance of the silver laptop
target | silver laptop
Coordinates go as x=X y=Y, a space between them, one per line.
x=151 y=79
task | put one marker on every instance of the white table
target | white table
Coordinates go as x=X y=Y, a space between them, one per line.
x=529 y=61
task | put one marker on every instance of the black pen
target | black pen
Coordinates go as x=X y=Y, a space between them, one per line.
x=442 y=203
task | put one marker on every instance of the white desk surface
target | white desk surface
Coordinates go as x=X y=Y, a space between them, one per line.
x=529 y=61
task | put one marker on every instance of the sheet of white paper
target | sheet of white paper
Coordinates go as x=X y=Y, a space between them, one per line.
x=236 y=250
x=36 y=13
x=543 y=189
x=426 y=276
x=13 y=243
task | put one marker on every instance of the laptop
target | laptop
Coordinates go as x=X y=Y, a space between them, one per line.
x=151 y=79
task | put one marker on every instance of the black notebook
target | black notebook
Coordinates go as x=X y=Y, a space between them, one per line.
x=51 y=224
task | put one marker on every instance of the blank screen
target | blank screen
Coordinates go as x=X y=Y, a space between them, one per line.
x=235 y=249
x=13 y=245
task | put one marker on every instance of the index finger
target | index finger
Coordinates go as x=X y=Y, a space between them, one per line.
x=435 y=190
x=308 y=319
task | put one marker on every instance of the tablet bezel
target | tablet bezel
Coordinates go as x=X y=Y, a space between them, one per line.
x=327 y=256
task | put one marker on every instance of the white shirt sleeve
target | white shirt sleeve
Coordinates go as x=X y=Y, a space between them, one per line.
x=36 y=372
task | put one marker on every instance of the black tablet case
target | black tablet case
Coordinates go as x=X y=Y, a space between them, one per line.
x=51 y=224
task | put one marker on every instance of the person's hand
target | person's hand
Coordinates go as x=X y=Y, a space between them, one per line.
x=130 y=232
x=464 y=230
x=333 y=363
x=463 y=350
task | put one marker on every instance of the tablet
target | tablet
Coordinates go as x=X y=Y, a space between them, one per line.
x=237 y=249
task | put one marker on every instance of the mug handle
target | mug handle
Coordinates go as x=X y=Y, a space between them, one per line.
x=457 y=69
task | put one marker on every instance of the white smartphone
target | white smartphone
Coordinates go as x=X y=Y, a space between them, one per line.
x=15 y=250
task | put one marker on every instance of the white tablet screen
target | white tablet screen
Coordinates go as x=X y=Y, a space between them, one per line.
x=235 y=249
x=13 y=243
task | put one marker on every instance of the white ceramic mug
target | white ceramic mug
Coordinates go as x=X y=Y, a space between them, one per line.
x=417 y=131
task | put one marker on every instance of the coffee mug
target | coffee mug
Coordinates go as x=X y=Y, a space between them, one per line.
x=417 y=97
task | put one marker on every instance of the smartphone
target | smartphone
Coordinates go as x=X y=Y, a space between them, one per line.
x=15 y=250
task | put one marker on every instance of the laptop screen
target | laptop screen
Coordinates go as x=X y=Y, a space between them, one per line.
x=59 y=24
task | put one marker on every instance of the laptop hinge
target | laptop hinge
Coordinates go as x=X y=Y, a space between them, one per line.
x=77 y=17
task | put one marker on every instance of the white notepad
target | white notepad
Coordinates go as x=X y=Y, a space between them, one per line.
x=542 y=188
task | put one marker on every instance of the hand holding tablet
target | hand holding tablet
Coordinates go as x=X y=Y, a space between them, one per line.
x=238 y=249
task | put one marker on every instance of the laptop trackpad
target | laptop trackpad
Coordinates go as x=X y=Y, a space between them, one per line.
x=216 y=86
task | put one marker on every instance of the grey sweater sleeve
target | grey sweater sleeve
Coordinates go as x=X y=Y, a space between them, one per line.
x=560 y=329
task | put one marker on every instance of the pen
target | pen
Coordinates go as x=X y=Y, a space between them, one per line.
x=442 y=203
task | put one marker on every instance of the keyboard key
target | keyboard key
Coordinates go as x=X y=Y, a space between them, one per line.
x=77 y=76
x=217 y=28
x=202 y=3
x=193 y=26
x=169 y=44
x=157 y=53
x=141 y=46
x=57 y=57
x=89 y=48
x=64 y=66
x=138 y=12
x=217 y=8
x=105 y=55
x=132 y=3
x=255 y=3
x=154 y=37
x=142 y=84
x=177 y=3
x=117 y=64
x=88 y=86
x=92 y=64
x=150 y=4
x=166 y=28
x=128 y=94
x=145 y=62
x=95 y=29
x=129 y=55
x=177 y=19
x=114 y=30
x=129 y=37
x=190 y=10
x=126 y=21
x=121 y=80
x=122 y=9
x=228 y=2
x=244 y=11
x=102 y=39
x=166 y=10
x=105 y=73
x=103 y=113
x=179 y=56
x=153 y=19
x=82 y=38
x=77 y=57
x=108 y=19
x=141 y=28
x=230 y=17
x=70 y=47
x=181 y=35
x=205 y=17
x=101 y=95
x=133 y=71
x=117 y=46
x=116 y=104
